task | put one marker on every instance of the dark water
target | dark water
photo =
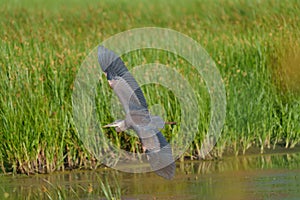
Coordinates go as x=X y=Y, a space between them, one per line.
x=249 y=177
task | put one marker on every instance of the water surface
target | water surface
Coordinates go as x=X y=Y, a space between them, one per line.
x=248 y=177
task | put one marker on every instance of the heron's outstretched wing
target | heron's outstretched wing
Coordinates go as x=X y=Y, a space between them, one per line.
x=159 y=152
x=123 y=83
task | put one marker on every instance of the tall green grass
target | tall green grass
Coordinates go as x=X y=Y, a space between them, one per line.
x=255 y=45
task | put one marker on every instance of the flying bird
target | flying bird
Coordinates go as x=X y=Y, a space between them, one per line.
x=138 y=117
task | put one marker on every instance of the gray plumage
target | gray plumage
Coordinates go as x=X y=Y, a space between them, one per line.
x=138 y=118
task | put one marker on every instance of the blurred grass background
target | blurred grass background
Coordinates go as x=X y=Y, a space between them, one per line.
x=255 y=45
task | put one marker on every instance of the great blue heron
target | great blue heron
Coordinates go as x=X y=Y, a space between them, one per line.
x=138 y=117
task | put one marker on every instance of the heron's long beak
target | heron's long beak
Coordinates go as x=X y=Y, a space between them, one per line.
x=110 y=125
x=114 y=124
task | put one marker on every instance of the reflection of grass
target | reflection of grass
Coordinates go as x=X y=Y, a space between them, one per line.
x=80 y=184
x=56 y=192
x=254 y=45
x=110 y=192
x=110 y=189
x=77 y=184
x=242 y=163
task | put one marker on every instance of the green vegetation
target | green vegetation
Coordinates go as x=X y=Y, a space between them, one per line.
x=256 y=46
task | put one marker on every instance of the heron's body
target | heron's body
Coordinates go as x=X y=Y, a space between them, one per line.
x=137 y=117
